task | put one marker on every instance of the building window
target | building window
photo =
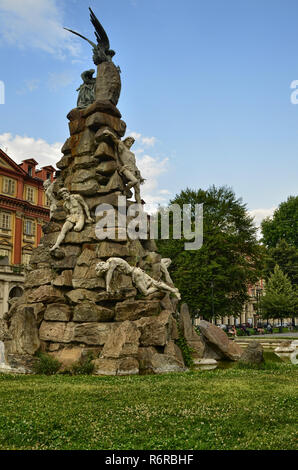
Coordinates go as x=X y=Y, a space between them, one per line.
x=30 y=170
x=5 y=252
x=30 y=194
x=48 y=176
x=26 y=258
x=9 y=186
x=5 y=221
x=29 y=227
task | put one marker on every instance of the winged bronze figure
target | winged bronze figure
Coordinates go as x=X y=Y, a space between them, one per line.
x=101 y=50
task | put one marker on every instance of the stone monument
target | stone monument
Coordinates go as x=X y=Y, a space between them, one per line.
x=113 y=297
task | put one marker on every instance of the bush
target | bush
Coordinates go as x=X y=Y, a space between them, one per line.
x=185 y=349
x=83 y=368
x=46 y=365
x=240 y=332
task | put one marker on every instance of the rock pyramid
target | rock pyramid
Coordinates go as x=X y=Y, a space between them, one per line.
x=66 y=310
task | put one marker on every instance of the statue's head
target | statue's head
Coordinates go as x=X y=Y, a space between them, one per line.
x=110 y=53
x=166 y=262
x=88 y=75
x=64 y=193
x=101 y=267
x=128 y=142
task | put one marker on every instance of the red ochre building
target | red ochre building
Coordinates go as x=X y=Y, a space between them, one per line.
x=24 y=209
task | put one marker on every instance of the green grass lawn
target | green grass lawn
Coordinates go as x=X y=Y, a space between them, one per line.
x=220 y=409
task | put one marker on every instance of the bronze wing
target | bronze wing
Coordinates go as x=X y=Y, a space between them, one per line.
x=100 y=34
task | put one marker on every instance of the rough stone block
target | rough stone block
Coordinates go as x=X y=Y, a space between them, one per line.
x=85 y=236
x=253 y=354
x=106 y=167
x=83 y=143
x=79 y=295
x=124 y=366
x=45 y=294
x=156 y=331
x=105 y=153
x=77 y=126
x=57 y=332
x=64 y=280
x=58 y=312
x=39 y=277
x=150 y=361
x=123 y=341
x=95 y=334
x=90 y=312
x=66 y=149
x=24 y=332
x=85 y=277
x=136 y=309
x=217 y=340
x=80 y=176
x=87 y=188
x=101 y=106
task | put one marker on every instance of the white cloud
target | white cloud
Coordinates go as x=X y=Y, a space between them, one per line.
x=29 y=85
x=60 y=80
x=21 y=147
x=139 y=138
x=36 y=24
x=260 y=214
x=151 y=168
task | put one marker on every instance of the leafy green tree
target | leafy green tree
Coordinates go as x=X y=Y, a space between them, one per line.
x=214 y=278
x=286 y=256
x=283 y=225
x=280 y=299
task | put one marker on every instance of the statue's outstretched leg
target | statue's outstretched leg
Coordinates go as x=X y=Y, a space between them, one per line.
x=66 y=228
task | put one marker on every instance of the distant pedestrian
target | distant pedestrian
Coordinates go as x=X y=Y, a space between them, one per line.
x=234 y=331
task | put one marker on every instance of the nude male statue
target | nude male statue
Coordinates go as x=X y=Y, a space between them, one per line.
x=128 y=167
x=143 y=282
x=78 y=215
x=48 y=187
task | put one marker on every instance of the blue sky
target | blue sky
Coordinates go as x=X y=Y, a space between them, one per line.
x=205 y=88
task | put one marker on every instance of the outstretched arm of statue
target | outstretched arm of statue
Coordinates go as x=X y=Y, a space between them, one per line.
x=163 y=286
x=109 y=276
x=110 y=134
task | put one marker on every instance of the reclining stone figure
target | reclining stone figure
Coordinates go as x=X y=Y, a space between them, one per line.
x=142 y=281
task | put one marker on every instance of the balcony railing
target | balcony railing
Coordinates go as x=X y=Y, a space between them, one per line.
x=12 y=269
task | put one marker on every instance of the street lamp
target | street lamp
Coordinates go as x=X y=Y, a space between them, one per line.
x=212 y=297
x=258 y=294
